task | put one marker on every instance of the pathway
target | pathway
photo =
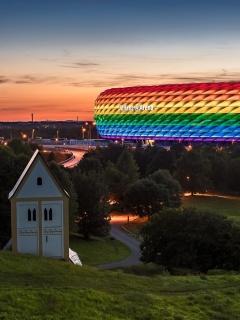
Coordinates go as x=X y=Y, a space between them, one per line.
x=118 y=233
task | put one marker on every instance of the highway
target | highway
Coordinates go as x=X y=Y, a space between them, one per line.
x=77 y=152
x=77 y=156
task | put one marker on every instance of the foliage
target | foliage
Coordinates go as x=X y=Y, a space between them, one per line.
x=178 y=148
x=88 y=164
x=234 y=175
x=188 y=238
x=140 y=156
x=120 y=175
x=7 y=174
x=116 y=182
x=163 y=159
x=105 y=155
x=193 y=169
x=18 y=147
x=11 y=166
x=173 y=191
x=219 y=160
x=127 y=165
x=64 y=179
x=148 y=196
x=93 y=204
x=143 y=198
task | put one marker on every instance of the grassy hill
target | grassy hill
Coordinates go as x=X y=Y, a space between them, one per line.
x=38 y=288
x=45 y=289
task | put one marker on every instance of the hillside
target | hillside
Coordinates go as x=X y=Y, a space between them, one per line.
x=38 y=288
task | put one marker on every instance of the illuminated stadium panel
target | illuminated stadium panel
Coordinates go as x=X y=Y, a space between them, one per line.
x=196 y=111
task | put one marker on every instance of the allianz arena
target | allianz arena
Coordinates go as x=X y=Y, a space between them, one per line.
x=187 y=112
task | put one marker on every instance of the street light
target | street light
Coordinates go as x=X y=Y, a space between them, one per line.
x=83 y=130
x=24 y=136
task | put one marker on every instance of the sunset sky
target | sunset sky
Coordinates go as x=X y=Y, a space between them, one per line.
x=57 y=56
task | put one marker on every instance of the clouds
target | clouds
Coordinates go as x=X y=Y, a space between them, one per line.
x=3 y=80
x=63 y=53
x=81 y=64
x=123 y=79
x=28 y=79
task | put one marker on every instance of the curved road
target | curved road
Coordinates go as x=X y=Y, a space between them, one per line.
x=77 y=156
x=116 y=228
x=118 y=233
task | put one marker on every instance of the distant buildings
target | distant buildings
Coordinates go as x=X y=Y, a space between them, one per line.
x=186 y=112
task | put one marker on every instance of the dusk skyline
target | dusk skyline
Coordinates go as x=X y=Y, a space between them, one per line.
x=58 y=56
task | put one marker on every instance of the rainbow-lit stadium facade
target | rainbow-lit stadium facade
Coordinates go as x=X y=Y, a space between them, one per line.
x=186 y=112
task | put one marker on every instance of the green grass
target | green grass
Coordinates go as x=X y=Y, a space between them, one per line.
x=33 y=288
x=230 y=207
x=38 y=288
x=98 y=251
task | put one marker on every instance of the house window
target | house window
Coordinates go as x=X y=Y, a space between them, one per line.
x=34 y=214
x=50 y=214
x=45 y=214
x=39 y=181
x=29 y=215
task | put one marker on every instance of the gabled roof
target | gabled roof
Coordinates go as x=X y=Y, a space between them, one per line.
x=30 y=163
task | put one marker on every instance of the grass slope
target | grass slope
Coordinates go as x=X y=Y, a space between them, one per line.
x=38 y=288
x=98 y=251
x=229 y=206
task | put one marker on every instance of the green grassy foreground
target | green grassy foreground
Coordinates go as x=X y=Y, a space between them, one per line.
x=38 y=288
x=98 y=251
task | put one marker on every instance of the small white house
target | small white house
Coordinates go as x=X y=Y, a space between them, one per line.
x=39 y=212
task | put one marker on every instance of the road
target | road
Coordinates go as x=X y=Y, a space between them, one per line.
x=118 y=233
x=77 y=152
x=77 y=156
x=116 y=227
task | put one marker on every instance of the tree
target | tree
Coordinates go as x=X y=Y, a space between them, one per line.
x=148 y=196
x=188 y=238
x=93 y=204
x=143 y=198
x=18 y=147
x=163 y=159
x=219 y=161
x=116 y=182
x=65 y=180
x=127 y=165
x=193 y=169
x=178 y=148
x=140 y=156
x=109 y=154
x=89 y=164
x=173 y=190
x=11 y=166
x=234 y=175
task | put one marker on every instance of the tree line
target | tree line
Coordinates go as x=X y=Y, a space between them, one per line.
x=146 y=182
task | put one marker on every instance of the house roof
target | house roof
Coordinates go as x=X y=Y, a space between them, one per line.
x=30 y=163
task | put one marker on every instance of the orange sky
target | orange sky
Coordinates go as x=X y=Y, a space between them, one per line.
x=58 y=56
x=46 y=102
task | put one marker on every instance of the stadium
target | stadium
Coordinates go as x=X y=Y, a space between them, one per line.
x=186 y=112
